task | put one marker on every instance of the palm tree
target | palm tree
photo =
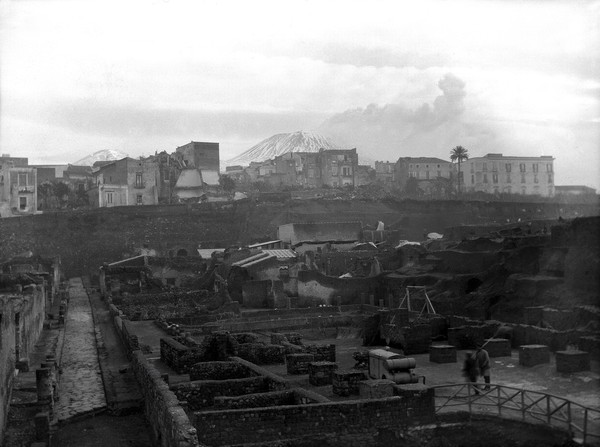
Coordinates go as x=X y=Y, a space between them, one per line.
x=459 y=154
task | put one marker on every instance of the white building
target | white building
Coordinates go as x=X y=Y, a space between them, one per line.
x=496 y=173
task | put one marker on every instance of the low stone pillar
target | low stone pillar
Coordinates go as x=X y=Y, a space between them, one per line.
x=42 y=427
x=376 y=389
x=346 y=382
x=442 y=354
x=43 y=381
x=531 y=355
x=498 y=347
x=53 y=377
x=319 y=373
x=298 y=363
x=572 y=361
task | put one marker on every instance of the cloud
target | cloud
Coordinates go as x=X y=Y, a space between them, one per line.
x=95 y=117
x=391 y=126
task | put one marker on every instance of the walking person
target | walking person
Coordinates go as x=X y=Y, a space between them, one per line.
x=483 y=363
x=470 y=369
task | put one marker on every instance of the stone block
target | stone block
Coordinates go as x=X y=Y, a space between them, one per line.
x=442 y=354
x=572 y=361
x=347 y=382
x=531 y=355
x=590 y=344
x=376 y=389
x=42 y=426
x=298 y=363
x=534 y=315
x=498 y=347
x=319 y=373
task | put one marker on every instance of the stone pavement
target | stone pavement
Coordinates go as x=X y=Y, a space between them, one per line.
x=81 y=388
x=120 y=386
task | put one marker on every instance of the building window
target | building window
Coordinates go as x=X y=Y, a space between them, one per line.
x=347 y=171
x=22 y=179
x=334 y=170
x=439 y=173
x=494 y=166
x=535 y=178
x=548 y=168
x=524 y=190
x=427 y=175
x=522 y=167
x=535 y=167
x=509 y=190
x=472 y=167
x=484 y=166
x=139 y=199
x=549 y=178
x=22 y=203
x=138 y=180
x=109 y=197
x=522 y=178
x=485 y=180
x=417 y=166
x=508 y=179
x=508 y=167
x=472 y=179
x=495 y=178
x=412 y=174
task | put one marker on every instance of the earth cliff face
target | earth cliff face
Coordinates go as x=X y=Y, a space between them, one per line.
x=86 y=239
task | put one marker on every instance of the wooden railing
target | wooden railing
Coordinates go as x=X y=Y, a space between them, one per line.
x=582 y=423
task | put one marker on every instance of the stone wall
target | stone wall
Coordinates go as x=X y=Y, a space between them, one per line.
x=347 y=423
x=327 y=289
x=219 y=371
x=151 y=306
x=261 y=354
x=17 y=339
x=463 y=330
x=178 y=356
x=170 y=425
x=201 y=393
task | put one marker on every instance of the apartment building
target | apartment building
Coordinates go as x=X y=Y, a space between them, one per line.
x=125 y=182
x=496 y=173
x=422 y=168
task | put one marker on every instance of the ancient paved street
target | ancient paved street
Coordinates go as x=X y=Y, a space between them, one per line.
x=81 y=389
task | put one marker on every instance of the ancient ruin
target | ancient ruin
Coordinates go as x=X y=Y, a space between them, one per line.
x=327 y=333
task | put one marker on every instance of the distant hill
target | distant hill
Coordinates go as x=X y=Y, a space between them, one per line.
x=283 y=143
x=103 y=155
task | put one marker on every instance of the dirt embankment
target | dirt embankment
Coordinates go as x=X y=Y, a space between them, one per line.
x=86 y=239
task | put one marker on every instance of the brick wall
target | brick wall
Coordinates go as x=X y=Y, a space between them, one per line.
x=341 y=423
x=170 y=425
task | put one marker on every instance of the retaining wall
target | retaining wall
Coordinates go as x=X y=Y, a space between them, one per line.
x=170 y=424
x=358 y=422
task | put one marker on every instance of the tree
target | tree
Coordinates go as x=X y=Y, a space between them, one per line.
x=459 y=154
x=227 y=183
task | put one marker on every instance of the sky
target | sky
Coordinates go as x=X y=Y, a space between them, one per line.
x=393 y=79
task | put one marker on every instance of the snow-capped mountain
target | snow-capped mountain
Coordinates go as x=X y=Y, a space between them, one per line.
x=283 y=143
x=103 y=155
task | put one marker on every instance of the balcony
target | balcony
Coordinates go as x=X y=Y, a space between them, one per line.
x=138 y=185
x=23 y=188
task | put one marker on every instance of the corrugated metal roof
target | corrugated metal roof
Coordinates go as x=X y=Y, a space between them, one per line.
x=282 y=253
